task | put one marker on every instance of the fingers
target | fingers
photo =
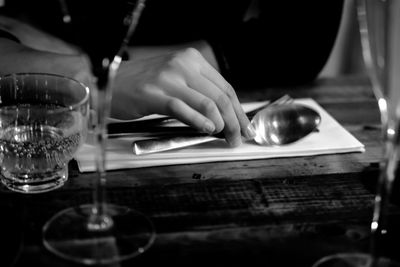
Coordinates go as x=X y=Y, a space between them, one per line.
x=206 y=80
x=209 y=101
x=230 y=124
x=214 y=76
x=196 y=100
x=184 y=85
x=175 y=107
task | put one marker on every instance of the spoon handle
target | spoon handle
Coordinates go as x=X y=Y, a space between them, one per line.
x=148 y=146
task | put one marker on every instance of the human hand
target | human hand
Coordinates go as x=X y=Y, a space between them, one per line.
x=181 y=84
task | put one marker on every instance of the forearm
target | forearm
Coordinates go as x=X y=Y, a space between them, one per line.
x=32 y=50
x=34 y=38
x=15 y=57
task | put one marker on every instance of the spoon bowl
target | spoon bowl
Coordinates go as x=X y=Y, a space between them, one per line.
x=277 y=124
x=284 y=124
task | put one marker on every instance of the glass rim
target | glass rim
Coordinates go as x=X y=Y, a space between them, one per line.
x=61 y=109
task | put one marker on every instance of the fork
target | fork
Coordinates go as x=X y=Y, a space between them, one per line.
x=147 y=146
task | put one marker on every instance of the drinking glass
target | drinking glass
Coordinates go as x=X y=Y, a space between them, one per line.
x=43 y=122
x=100 y=233
x=379 y=24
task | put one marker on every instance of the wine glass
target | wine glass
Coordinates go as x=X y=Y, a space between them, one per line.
x=379 y=24
x=99 y=233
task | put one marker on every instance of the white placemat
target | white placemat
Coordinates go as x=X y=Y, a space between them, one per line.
x=331 y=138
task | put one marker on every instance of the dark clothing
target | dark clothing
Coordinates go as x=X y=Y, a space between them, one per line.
x=287 y=44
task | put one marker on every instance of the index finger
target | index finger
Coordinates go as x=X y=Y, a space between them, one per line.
x=215 y=77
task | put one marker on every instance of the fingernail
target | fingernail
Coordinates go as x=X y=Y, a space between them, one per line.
x=251 y=131
x=209 y=127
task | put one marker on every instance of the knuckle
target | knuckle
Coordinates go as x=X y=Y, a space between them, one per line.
x=191 y=52
x=177 y=58
x=176 y=61
x=168 y=77
x=172 y=106
x=147 y=88
x=230 y=92
x=207 y=106
x=188 y=58
x=223 y=102
x=163 y=76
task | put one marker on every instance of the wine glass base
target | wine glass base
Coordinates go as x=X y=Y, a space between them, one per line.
x=354 y=260
x=67 y=235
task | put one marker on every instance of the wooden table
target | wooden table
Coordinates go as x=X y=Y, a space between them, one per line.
x=275 y=212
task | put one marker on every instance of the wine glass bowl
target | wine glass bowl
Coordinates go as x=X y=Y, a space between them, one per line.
x=43 y=122
x=379 y=25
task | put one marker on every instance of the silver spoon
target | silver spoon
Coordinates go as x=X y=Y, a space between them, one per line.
x=284 y=124
x=274 y=125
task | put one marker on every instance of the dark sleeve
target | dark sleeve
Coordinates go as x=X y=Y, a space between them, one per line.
x=7 y=35
x=288 y=44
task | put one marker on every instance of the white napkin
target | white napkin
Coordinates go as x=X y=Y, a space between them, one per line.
x=331 y=138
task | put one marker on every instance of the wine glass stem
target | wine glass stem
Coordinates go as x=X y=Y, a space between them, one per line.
x=99 y=220
x=382 y=197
